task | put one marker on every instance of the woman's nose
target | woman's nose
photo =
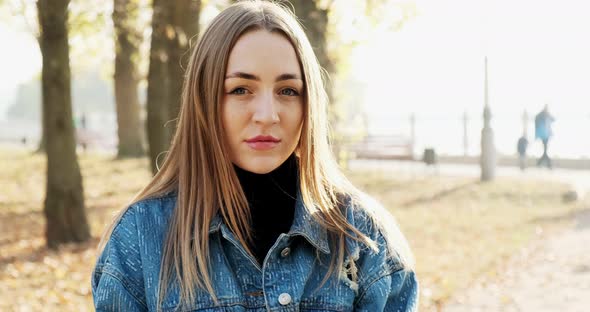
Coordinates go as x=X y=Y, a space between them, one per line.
x=266 y=109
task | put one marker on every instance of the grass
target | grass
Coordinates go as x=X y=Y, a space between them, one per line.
x=458 y=228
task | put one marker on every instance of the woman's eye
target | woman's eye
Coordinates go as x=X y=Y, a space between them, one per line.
x=289 y=92
x=238 y=91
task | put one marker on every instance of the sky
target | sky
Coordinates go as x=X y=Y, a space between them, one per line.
x=19 y=61
x=538 y=53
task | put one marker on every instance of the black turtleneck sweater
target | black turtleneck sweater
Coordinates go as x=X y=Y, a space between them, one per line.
x=272 y=199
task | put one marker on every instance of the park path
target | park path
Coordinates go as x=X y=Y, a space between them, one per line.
x=579 y=180
x=550 y=275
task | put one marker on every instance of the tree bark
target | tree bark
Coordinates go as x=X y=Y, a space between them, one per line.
x=158 y=85
x=173 y=24
x=185 y=25
x=127 y=40
x=64 y=201
x=41 y=146
x=315 y=22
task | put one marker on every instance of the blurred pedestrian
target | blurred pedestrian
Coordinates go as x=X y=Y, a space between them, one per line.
x=521 y=147
x=544 y=132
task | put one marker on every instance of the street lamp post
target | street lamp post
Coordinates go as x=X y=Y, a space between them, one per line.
x=488 y=150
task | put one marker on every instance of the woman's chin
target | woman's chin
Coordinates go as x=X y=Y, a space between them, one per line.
x=259 y=164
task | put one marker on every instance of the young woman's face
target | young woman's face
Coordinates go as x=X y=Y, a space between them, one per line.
x=262 y=107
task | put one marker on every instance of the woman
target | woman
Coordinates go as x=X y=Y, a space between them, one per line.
x=249 y=211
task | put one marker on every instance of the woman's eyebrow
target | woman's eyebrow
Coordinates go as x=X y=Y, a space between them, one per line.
x=256 y=78
x=243 y=76
x=287 y=77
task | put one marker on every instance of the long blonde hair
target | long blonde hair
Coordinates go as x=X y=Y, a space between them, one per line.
x=198 y=169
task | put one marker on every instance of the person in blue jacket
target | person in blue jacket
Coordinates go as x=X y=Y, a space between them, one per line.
x=544 y=132
x=249 y=211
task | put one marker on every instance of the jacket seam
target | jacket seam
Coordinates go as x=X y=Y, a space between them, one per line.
x=375 y=280
x=126 y=285
x=163 y=197
x=111 y=270
x=108 y=250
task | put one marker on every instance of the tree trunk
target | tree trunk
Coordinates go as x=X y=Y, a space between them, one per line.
x=158 y=85
x=315 y=22
x=185 y=24
x=64 y=201
x=127 y=40
x=41 y=146
x=174 y=23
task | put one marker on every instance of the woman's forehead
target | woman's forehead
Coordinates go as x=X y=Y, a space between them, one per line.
x=261 y=53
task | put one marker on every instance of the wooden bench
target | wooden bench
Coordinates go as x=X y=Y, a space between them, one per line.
x=384 y=147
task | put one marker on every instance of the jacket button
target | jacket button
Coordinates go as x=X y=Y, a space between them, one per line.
x=285 y=252
x=284 y=299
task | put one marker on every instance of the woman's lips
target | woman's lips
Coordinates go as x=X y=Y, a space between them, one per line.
x=263 y=143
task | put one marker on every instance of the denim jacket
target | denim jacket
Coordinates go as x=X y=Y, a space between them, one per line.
x=125 y=277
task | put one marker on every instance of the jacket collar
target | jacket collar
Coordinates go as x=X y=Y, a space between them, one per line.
x=304 y=224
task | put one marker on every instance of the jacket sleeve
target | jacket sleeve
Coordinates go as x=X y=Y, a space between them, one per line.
x=117 y=278
x=397 y=291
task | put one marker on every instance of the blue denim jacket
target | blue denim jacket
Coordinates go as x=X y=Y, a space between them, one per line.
x=125 y=277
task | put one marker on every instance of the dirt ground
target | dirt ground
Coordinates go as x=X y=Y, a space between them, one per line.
x=552 y=274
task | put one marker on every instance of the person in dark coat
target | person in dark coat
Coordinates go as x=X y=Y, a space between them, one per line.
x=521 y=147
